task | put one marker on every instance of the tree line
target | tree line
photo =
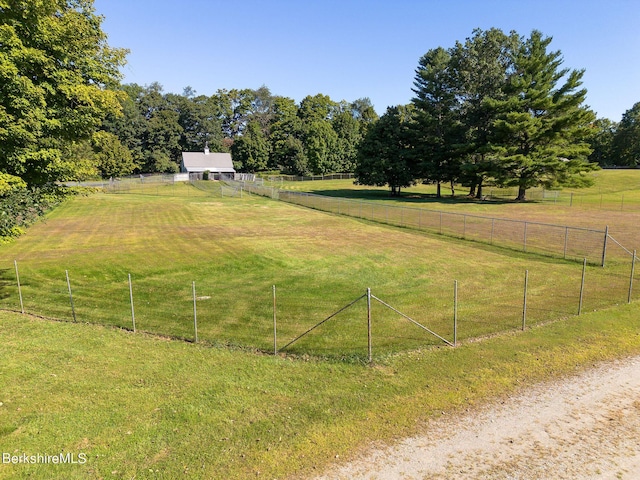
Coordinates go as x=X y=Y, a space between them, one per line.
x=261 y=130
x=494 y=108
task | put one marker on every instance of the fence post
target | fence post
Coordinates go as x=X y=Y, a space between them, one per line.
x=525 y=237
x=195 y=314
x=455 y=313
x=73 y=310
x=133 y=313
x=493 y=224
x=584 y=269
x=524 y=303
x=369 y=324
x=633 y=268
x=604 y=248
x=566 y=237
x=275 y=337
x=15 y=262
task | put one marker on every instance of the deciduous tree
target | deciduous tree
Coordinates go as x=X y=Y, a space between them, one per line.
x=384 y=156
x=626 y=140
x=57 y=79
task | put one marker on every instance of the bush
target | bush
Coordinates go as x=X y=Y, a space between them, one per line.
x=20 y=207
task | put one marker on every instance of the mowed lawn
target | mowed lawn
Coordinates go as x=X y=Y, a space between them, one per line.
x=613 y=200
x=137 y=406
x=148 y=406
x=237 y=249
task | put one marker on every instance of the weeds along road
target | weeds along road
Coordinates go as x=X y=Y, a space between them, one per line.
x=585 y=426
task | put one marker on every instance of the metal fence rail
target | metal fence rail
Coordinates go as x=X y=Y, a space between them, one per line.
x=575 y=243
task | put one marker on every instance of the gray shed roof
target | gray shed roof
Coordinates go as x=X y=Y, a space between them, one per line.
x=214 y=162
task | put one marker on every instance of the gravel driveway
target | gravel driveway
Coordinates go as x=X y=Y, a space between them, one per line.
x=585 y=426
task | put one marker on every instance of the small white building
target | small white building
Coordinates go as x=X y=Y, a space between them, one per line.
x=215 y=163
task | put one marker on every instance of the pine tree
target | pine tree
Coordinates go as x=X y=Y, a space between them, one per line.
x=437 y=131
x=541 y=135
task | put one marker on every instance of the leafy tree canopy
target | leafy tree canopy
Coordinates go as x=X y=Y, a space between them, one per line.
x=57 y=79
x=626 y=140
x=385 y=153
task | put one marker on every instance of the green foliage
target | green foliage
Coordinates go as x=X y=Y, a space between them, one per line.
x=57 y=77
x=626 y=140
x=541 y=134
x=385 y=156
x=250 y=151
x=113 y=159
x=262 y=131
x=499 y=107
x=601 y=142
x=437 y=132
x=20 y=206
x=321 y=145
x=10 y=183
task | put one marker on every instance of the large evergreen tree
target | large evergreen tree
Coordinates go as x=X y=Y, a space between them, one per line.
x=437 y=131
x=541 y=135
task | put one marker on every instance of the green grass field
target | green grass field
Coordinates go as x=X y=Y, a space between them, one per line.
x=236 y=249
x=146 y=407
x=150 y=406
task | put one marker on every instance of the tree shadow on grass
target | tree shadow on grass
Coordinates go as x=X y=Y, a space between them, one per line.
x=409 y=197
x=7 y=281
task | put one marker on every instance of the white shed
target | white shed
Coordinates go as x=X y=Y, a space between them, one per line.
x=199 y=162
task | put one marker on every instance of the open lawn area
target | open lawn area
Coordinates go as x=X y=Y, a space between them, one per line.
x=236 y=249
x=613 y=200
x=152 y=405
x=137 y=406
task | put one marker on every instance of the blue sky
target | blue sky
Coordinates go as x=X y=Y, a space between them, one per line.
x=349 y=49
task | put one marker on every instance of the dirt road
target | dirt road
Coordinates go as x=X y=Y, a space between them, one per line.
x=583 y=427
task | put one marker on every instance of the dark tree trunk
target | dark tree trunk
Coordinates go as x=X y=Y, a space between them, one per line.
x=522 y=194
x=438 y=194
x=453 y=189
x=479 y=192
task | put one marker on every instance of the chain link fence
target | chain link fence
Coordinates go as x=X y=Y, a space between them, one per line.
x=560 y=241
x=339 y=324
